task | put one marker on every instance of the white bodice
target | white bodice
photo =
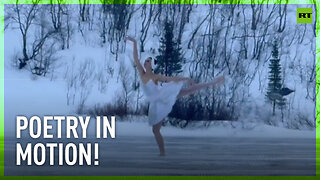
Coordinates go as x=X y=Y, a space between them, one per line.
x=150 y=89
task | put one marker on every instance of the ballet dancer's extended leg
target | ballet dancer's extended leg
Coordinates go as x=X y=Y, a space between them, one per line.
x=194 y=88
x=158 y=137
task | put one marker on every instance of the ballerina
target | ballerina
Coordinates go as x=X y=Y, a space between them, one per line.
x=162 y=98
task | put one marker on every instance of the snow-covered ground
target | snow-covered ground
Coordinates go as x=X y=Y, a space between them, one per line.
x=218 y=130
x=24 y=96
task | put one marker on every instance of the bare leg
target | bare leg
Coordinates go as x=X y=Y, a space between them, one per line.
x=158 y=137
x=194 y=88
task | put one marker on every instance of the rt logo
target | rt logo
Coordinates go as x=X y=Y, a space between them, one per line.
x=304 y=15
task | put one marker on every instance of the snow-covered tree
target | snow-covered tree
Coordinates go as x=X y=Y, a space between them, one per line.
x=274 y=85
x=169 y=60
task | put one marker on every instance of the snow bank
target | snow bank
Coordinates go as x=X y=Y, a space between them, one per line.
x=259 y=130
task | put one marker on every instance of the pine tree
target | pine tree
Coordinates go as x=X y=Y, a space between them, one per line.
x=274 y=85
x=169 y=58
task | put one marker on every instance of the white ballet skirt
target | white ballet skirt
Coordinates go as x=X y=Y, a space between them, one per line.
x=161 y=99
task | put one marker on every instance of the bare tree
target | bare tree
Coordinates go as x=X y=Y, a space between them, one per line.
x=147 y=14
x=85 y=76
x=83 y=10
x=127 y=86
x=25 y=16
x=60 y=19
x=118 y=17
x=282 y=16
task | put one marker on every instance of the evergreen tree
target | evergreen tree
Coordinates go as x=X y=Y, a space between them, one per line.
x=274 y=86
x=169 y=58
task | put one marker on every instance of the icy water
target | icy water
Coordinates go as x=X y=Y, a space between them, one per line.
x=228 y=156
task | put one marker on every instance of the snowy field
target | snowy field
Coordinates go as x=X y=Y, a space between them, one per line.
x=43 y=97
x=27 y=96
x=52 y=104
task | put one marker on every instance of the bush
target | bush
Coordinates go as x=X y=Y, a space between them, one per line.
x=108 y=109
x=192 y=109
x=118 y=109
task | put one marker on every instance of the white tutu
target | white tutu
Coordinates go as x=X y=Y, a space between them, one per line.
x=161 y=99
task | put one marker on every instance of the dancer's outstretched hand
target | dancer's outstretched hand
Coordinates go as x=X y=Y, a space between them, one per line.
x=219 y=80
x=130 y=39
x=191 y=82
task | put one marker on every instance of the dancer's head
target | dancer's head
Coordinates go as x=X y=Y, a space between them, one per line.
x=149 y=63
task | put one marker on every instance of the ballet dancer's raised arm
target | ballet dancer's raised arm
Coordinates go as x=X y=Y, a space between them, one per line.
x=135 y=55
